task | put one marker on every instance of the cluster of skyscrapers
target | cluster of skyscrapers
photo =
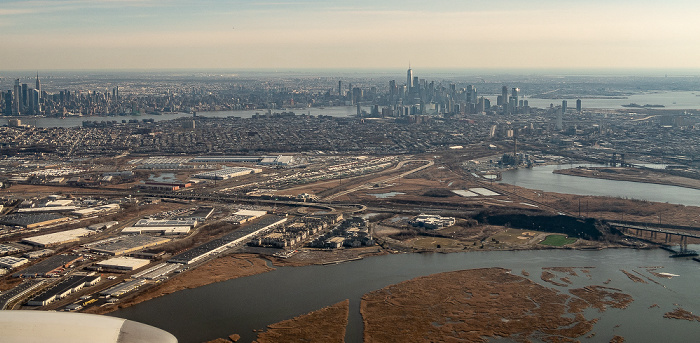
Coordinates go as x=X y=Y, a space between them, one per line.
x=418 y=96
x=22 y=99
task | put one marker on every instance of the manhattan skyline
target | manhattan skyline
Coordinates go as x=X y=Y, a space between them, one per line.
x=145 y=34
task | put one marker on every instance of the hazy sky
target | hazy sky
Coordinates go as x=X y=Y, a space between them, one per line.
x=115 y=34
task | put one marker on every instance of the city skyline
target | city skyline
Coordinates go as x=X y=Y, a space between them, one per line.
x=145 y=34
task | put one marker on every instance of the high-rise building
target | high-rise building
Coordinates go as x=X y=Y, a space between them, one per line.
x=340 y=88
x=471 y=94
x=514 y=93
x=357 y=95
x=17 y=99
x=563 y=106
x=38 y=84
x=560 y=125
x=504 y=94
x=8 y=103
x=35 y=97
x=25 y=96
x=392 y=88
x=409 y=78
x=578 y=105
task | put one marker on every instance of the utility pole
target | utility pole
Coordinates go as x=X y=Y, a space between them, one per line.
x=579 y=206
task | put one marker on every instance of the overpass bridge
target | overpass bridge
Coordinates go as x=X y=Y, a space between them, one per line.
x=653 y=233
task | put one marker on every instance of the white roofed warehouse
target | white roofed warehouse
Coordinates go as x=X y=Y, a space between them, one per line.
x=123 y=263
x=226 y=173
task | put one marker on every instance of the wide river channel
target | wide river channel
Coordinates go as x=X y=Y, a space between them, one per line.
x=542 y=178
x=241 y=305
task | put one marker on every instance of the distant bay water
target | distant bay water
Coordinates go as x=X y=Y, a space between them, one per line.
x=669 y=100
x=338 y=111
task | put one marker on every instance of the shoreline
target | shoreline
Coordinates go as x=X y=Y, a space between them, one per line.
x=192 y=278
x=620 y=177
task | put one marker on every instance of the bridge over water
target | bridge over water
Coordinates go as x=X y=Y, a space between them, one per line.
x=639 y=230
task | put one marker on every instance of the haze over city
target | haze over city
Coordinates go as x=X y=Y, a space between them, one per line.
x=349 y=171
x=211 y=34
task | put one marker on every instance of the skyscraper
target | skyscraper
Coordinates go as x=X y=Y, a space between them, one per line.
x=38 y=84
x=35 y=95
x=514 y=93
x=25 y=96
x=17 y=99
x=563 y=106
x=578 y=105
x=409 y=78
x=340 y=88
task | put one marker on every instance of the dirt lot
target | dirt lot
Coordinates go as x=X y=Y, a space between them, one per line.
x=307 y=257
x=469 y=305
x=398 y=235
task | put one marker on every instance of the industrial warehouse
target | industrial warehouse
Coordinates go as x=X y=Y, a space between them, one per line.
x=126 y=244
x=263 y=160
x=243 y=216
x=226 y=173
x=64 y=288
x=32 y=221
x=123 y=288
x=123 y=263
x=58 y=238
x=104 y=209
x=228 y=241
x=51 y=266
x=159 y=230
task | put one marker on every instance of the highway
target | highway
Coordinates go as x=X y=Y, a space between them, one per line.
x=367 y=185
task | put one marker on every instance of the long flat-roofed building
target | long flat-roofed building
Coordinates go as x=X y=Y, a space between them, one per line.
x=103 y=209
x=126 y=244
x=167 y=222
x=228 y=241
x=64 y=288
x=226 y=173
x=9 y=262
x=200 y=214
x=123 y=288
x=32 y=221
x=159 y=230
x=6 y=249
x=243 y=216
x=58 y=237
x=266 y=160
x=123 y=263
x=50 y=266
x=47 y=209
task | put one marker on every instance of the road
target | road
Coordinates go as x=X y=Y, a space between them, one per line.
x=367 y=185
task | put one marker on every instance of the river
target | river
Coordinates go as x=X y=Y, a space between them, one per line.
x=339 y=111
x=542 y=178
x=670 y=101
x=241 y=305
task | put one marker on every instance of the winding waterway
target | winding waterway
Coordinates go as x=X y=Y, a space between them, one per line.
x=244 y=304
x=542 y=178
